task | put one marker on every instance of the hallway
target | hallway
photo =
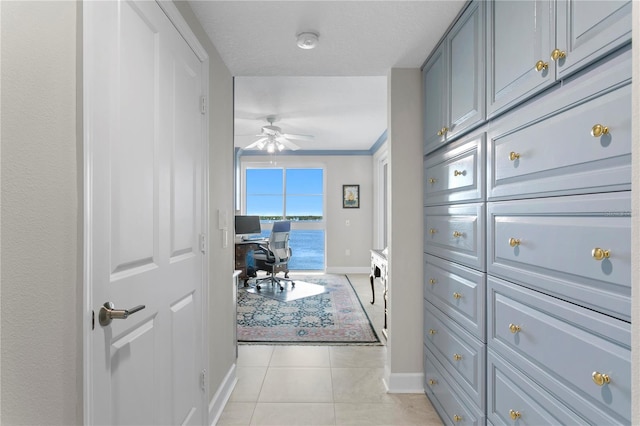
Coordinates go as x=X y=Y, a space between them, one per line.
x=322 y=385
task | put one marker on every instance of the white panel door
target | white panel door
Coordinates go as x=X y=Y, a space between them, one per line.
x=144 y=216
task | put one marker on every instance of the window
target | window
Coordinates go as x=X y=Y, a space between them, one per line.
x=295 y=194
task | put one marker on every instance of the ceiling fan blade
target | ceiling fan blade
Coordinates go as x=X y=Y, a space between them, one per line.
x=287 y=143
x=299 y=137
x=259 y=144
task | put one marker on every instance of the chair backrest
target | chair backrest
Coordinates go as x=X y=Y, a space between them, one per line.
x=279 y=240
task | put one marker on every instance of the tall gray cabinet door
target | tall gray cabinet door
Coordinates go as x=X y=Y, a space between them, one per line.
x=588 y=30
x=465 y=45
x=434 y=74
x=520 y=35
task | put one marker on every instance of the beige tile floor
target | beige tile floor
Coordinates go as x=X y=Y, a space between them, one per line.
x=322 y=385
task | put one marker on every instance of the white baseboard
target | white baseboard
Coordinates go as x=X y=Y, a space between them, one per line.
x=349 y=270
x=404 y=383
x=219 y=400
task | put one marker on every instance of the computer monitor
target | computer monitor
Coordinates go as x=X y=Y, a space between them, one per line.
x=247 y=225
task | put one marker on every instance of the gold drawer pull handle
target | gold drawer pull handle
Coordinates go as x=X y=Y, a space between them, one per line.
x=599 y=130
x=514 y=242
x=513 y=156
x=432 y=231
x=457 y=357
x=432 y=281
x=558 y=54
x=432 y=180
x=457 y=418
x=457 y=234
x=599 y=254
x=600 y=379
x=443 y=131
x=458 y=173
x=457 y=296
x=432 y=331
x=541 y=65
x=514 y=328
x=515 y=415
x=433 y=382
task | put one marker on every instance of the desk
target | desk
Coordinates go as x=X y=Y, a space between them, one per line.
x=379 y=269
x=242 y=248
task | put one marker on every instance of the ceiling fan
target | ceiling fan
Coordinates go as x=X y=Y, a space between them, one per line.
x=272 y=139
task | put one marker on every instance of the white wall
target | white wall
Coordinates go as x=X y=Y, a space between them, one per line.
x=222 y=318
x=635 y=226
x=404 y=353
x=357 y=237
x=41 y=198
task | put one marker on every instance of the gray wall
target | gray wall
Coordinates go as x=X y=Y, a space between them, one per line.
x=222 y=319
x=405 y=247
x=42 y=218
x=635 y=239
x=41 y=199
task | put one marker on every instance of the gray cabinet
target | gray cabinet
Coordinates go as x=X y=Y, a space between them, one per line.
x=582 y=358
x=533 y=44
x=456 y=172
x=548 y=239
x=520 y=36
x=454 y=101
x=588 y=30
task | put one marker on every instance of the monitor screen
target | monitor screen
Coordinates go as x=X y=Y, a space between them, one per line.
x=247 y=225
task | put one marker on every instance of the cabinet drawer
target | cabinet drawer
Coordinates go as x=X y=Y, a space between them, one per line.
x=456 y=173
x=511 y=396
x=456 y=233
x=462 y=355
x=447 y=398
x=559 y=155
x=552 y=245
x=457 y=291
x=560 y=346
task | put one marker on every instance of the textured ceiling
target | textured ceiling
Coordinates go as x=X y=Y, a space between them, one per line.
x=337 y=91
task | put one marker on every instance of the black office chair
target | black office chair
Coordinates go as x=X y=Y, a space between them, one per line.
x=274 y=257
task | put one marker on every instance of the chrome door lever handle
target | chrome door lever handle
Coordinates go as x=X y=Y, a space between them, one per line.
x=108 y=313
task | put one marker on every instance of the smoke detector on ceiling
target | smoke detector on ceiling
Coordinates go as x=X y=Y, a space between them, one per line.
x=307 y=40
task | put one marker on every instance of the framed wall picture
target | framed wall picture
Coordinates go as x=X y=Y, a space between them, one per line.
x=350 y=196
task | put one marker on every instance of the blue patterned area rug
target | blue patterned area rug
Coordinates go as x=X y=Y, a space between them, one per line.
x=334 y=317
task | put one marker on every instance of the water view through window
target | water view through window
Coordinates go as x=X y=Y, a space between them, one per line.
x=294 y=194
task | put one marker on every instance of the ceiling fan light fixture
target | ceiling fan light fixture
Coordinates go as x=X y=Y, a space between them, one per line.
x=307 y=40
x=271 y=148
x=280 y=146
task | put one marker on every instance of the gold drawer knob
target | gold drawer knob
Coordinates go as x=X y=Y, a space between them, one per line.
x=432 y=331
x=541 y=65
x=433 y=382
x=432 y=281
x=458 y=172
x=457 y=234
x=599 y=254
x=515 y=415
x=600 y=379
x=457 y=296
x=558 y=54
x=457 y=357
x=513 y=156
x=514 y=242
x=599 y=130
x=514 y=328
x=443 y=131
x=432 y=231
x=432 y=180
x=457 y=418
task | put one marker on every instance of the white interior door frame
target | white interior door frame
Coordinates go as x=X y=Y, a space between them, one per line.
x=185 y=31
